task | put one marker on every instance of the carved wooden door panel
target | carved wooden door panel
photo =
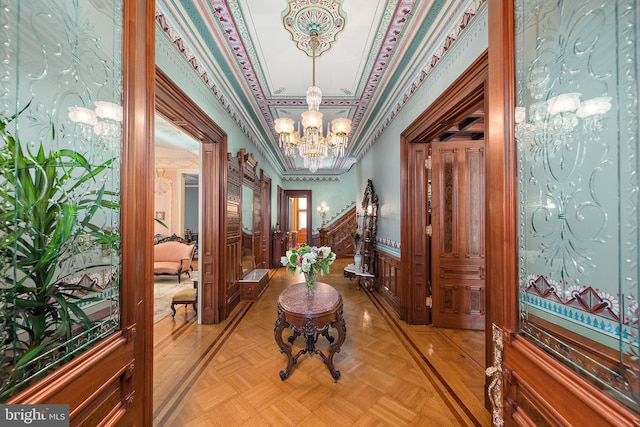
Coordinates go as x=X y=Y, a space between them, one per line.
x=458 y=256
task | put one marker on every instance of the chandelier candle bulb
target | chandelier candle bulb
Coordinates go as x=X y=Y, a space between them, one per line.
x=563 y=103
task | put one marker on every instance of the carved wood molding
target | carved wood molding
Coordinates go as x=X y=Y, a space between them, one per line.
x=543 y=390
x=183 y=112
x=174 y=238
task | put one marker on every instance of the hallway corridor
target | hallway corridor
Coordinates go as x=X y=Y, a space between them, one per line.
x=393 y=374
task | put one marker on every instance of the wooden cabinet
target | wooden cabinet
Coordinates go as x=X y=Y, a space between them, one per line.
x=254 y=284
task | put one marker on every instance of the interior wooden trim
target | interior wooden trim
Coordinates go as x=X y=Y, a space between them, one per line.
x=266 y=181
x=501 y=184
x=182 y=111
x=172 y=103
x=560 y=395
x=338 y=234
x=213 y=249
x=460 y=99
x=137 y=215
x=299 y=194
x=388 y=283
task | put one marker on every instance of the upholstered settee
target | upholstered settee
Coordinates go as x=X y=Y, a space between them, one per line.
x=172 y=258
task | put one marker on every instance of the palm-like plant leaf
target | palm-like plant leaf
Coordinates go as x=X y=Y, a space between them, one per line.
x=44 y=207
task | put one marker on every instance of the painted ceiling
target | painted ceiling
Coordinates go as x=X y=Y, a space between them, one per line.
x=255 y=56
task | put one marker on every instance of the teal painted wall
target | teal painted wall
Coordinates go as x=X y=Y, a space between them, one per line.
x=339 y=195
x=171 y=62
x=382 y=162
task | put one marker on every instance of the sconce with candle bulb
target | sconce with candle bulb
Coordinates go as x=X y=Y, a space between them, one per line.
x=323 y=209
x=104 y=121
x=557 y=120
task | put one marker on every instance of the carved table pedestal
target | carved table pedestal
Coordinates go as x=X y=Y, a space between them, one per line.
x=310 y=316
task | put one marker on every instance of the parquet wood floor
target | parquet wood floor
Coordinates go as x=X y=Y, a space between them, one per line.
x=393 y=374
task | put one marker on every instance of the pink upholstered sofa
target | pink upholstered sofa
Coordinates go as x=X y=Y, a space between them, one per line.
x=172 y=258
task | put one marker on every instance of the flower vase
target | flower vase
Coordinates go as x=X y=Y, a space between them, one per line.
x=310 y=279
x=357 y=261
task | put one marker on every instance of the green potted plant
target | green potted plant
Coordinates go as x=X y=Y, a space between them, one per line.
x=44 y=223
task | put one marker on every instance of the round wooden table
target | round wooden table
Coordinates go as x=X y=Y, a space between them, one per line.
x=310 y=316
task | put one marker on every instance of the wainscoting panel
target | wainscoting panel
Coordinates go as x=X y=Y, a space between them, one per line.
x=387 y=278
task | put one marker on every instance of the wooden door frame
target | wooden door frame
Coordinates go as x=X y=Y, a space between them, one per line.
x=463 y=94
x=283 y=209
x=266 y=189
x=174 y=105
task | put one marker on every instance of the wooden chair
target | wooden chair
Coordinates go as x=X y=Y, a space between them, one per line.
x=186 y=297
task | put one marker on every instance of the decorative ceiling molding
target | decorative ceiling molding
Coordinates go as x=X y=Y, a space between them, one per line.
x=387 y=46
x=396 y=16
x=326 y=17
x=449 y=40
x=199 y=68
x=407 y=42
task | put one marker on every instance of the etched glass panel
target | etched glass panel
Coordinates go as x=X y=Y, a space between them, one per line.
x=60 y=127
x=577 y=138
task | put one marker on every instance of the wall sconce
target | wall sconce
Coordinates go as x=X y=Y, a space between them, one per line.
x=323 y=209
x=557 y=120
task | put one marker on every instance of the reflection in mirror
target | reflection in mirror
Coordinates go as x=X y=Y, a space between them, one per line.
x=248 y=263
x=191 y=206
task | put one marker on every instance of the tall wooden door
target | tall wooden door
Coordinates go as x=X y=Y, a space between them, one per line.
x=458 y=255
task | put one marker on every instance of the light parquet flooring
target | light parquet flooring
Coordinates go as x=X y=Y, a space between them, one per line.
x=393 y=374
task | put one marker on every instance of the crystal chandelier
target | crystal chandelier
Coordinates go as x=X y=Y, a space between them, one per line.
x=312 y=146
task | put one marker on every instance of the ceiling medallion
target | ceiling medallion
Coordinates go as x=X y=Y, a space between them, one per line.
x=324 y=17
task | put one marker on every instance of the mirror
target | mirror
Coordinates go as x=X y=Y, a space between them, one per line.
x=248 y=258
x=366 y=223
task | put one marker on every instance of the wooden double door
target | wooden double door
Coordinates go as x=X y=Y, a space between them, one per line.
x=443 y=207
x=457 y=225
